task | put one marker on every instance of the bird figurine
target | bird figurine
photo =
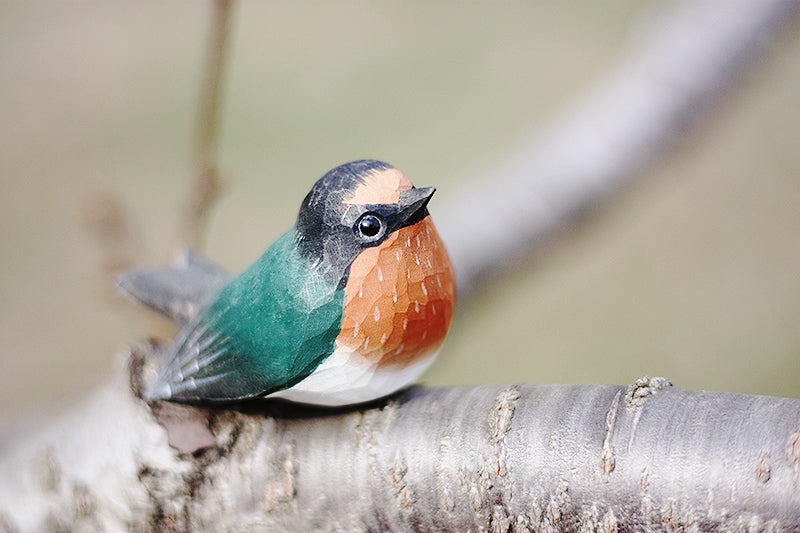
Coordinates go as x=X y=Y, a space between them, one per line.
x=350 y=305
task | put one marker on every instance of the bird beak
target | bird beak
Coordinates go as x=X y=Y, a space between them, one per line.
x=412 y=204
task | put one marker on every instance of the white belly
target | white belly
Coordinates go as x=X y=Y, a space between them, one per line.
x=345 y=378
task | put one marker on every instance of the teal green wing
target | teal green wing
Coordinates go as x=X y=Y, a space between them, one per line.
x=266 y=330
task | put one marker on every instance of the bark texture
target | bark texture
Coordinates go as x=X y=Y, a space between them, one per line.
x=649 y=457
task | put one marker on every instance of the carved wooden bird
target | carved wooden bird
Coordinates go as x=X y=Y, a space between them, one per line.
x=351 y=304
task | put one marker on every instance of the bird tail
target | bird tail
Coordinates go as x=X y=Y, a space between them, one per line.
x=177 y=292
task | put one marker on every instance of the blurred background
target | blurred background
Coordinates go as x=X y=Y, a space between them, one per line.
x=692 y=272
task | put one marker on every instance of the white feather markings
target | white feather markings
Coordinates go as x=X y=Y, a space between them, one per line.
x=162 y=390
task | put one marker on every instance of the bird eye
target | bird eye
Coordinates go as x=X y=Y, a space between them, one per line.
x=370 y=227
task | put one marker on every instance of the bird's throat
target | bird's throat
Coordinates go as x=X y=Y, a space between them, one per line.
x=399 y=297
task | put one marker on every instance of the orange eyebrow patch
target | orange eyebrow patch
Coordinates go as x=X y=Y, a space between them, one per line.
x=399 y=297
x=380 y=187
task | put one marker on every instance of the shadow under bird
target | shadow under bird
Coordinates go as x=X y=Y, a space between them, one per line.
x=351 y=304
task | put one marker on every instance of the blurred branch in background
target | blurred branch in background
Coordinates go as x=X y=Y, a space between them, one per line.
x=205 y=187
x=660 y=89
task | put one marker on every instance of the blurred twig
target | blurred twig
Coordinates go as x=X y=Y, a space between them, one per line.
x=105 y=219
x=205 y=187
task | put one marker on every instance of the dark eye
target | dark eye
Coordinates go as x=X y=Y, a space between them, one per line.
x=370 y=227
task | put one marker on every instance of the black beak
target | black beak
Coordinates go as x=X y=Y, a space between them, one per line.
x=413 y=204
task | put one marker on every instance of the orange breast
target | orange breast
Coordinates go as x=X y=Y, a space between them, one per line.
x=399 y=297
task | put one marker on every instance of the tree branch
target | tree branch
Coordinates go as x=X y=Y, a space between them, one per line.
x=205 y=187
x=675 y=67
x=649 y=457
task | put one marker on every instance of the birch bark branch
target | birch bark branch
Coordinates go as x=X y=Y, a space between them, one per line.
x=518 y=458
